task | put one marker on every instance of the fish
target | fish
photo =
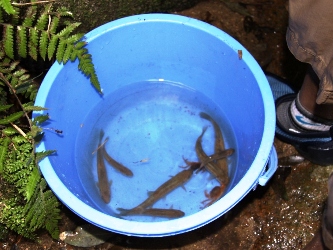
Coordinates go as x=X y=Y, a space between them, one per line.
x=218 y=156
x=118 y=166
x=221 y=164
x=158 y=212
x=212 y=167
x=103 y=183
x=219 y=142
x=178 y=180
x=211 y=158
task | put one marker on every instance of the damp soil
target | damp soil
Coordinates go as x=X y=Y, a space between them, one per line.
x=286 y=212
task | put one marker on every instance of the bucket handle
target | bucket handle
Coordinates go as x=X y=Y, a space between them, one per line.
x=272 y=165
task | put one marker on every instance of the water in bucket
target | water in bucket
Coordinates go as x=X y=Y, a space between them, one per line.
x=151 y=126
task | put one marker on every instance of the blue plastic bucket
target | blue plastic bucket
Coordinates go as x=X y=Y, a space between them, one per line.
x=158 y=72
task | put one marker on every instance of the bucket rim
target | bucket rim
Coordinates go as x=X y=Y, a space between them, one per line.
x=203 y=217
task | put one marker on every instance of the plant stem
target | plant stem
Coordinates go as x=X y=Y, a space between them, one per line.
x=3 y=78
x=33 y=3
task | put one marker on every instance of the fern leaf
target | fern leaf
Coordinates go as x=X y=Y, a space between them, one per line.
x=43 y=41
x=40 y=119
x=7 y=6
x=30 y=16
x=80 y=45
x=35 y=131
x=61 y=50
x=5 y=107
x=65 y=32
x=33 y=43
x=8 y=36
x=13 y=65
x=52 y=46
x=22 y=41
x=1 y=15
x=33 y=180
x=3 y=152
x=95 y=82
x=41 y=155
x=19 y=73
x=63 y=11
x=73 y=56
x=31 y=92
x=19 y=140
x=33 y=108
x=67 y=53
x=24 y=77
x=54 y=25
x=11 y=118
x=43 y=18
x=42 y=210
x=9 y=131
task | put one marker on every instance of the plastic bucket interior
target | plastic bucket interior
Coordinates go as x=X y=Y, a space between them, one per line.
x=170 y=48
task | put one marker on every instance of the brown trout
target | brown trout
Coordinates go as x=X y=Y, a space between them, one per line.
x=178 y=180
x=118 y=166
x=103 y=182
x=157 y=212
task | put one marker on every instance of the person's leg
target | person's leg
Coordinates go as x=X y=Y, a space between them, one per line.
x=305 y=118
x=308 y=95
x=309 y=38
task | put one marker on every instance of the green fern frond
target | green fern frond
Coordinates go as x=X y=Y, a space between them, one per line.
x=30 y=16
x=65 y=32
x=42 y=209
x=11 y=118
x=1 y=15
x=5 y=107
x=19 y=139
x=12 y=215
x=52 y=46
x=67 y=53
x=41 y=155
x=54 y=25
x=8 y=36
x=33 y=180
x=35 y=132
x=9 y=131
x=61 y=50
x=43 y=18
x=43 y=41
x=3 y=152
x=22 y=41
x=40 y=119
x=33 y=43
x=28 y=107
x=7 y=6
x=95 y=82
x=31 y=92
x=63 y=12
